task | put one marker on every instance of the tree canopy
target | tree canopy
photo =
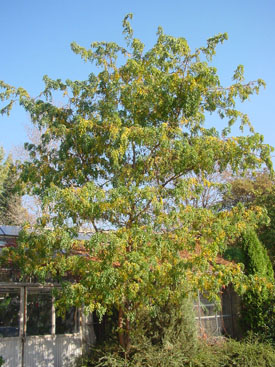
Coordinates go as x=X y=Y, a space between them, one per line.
x=126 y=142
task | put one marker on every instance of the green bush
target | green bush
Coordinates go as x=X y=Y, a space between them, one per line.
x=257 y=259
x=258 y=306
x=248 y=353
x=1 y=361
x=170 y=340
x=226 y=353
x=258 y=315
x=164 y=338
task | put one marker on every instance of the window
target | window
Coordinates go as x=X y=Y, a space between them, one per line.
x=41 y=318
x=69 y=323
x=39 y=312
x=9 y=312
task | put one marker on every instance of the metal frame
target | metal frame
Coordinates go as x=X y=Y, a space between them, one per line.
x=22 y=337
x=217 y=316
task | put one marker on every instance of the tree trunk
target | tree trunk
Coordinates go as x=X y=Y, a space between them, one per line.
x=120 y=329
x=123 y=331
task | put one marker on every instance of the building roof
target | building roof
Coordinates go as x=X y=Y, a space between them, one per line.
x=13 y=231
x=9 y=231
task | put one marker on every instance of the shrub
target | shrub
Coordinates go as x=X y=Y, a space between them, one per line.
x=226 y=353
x=258 y=315
x=248 y=353
x=170 y=340
x=258 y=305
x=161 y=340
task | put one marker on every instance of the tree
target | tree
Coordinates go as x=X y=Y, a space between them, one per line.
x=255 y=250
x=128 y=140
x=11 y=209
x=2 y=169
x=256 y=190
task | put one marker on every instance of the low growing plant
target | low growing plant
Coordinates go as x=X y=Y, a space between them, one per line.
x=227 y=353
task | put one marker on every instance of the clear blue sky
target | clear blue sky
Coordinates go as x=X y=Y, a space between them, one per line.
x=36 y=37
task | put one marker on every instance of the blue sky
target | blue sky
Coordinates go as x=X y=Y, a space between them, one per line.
x=36 y=37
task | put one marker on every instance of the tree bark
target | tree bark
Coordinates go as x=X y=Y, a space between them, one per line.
x=123 y=331
x=120 y=329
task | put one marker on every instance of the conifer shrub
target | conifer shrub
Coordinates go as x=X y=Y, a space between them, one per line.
x=258 y=315
x=257 y=259
x=258 y=305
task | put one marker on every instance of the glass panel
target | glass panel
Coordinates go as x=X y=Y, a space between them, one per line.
x=68 y=324
x=9 y=312
x=39 y=312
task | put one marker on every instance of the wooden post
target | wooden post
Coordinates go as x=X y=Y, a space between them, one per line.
x=199 y=309
x=120 y=328
x=23 y=308
x=53 y=318
x=21 y=312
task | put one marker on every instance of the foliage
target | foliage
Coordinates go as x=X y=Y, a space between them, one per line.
x=155 y=339
x=11 y=209
x=180 y=353
x=255 y=190
x=257 y=260
x=258 y=311
x=258 y=306
x=225 y=354
x=1 y=361
x=251 y=252
x=258 y=314
x=3 y=169
x=126 y=143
